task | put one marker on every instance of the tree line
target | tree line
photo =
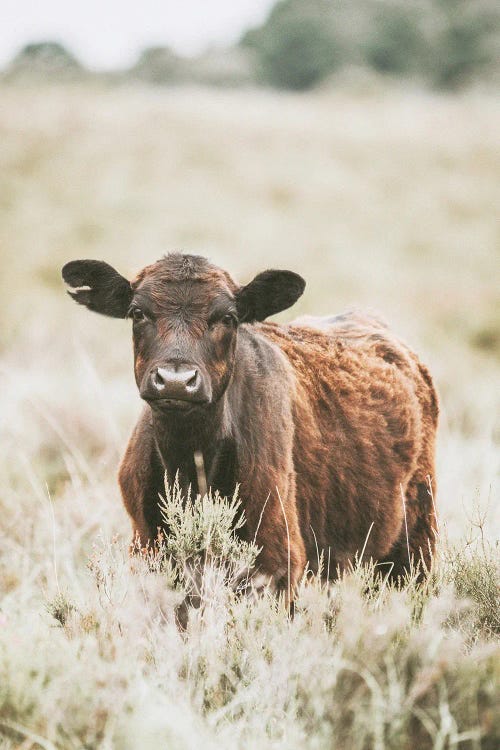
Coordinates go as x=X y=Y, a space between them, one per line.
x=444 y=44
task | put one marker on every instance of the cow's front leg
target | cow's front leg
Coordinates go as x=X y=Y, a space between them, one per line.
x=281 y=561
x=141 y=480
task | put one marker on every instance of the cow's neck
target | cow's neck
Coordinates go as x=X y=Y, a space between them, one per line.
x=178 y=440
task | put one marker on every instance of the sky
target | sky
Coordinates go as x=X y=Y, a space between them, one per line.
x=110 y=33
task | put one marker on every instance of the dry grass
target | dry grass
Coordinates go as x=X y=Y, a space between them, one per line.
x=384 y=199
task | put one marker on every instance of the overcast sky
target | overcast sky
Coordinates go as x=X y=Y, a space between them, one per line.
x=110 y=33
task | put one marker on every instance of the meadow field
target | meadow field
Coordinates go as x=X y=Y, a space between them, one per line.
x=380 y=197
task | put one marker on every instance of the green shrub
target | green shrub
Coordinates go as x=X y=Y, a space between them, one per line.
x=444 y=43
x=296 y=48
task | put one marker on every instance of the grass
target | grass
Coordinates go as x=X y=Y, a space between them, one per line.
x=383 y=199
x=101 y=662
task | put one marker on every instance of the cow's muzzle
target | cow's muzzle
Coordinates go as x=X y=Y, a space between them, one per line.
x=175 y=386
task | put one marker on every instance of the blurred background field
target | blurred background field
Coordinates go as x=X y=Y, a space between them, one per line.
x=381 y=187
x=383 y=199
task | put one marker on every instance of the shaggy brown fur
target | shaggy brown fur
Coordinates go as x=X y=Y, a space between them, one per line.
x=328 y=425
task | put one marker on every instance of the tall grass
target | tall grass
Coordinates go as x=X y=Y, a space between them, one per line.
x=94 y=658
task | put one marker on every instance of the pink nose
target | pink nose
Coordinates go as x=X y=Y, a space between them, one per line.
x=183 y=383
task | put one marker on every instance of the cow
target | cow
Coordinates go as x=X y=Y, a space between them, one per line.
x=327 y=426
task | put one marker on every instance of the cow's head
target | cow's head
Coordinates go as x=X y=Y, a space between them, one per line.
x=185 y=315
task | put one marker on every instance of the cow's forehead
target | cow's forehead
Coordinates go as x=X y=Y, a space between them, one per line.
x=183 y=279
x=177 y=267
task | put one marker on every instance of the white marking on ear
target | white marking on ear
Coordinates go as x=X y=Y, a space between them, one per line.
x=84 y=288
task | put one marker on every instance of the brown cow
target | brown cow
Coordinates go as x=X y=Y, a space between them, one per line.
x=328 y=425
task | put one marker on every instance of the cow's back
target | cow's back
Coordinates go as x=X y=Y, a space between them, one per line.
x=365 y=414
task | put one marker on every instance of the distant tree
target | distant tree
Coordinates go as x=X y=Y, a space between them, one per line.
x=214 y=67
x=45 y=59
x=396 y=43
x=445 y=43
x=158 y=65
x=219 y=66
x=296 y=47
x=466 y=41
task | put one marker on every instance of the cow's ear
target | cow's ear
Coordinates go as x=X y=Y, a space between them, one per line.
x=98 y=286
x=269 y=293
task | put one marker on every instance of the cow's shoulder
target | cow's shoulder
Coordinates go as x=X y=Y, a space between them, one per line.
x=137 y=458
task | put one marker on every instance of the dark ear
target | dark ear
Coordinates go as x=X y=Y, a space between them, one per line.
x=98 y=286
x=269 y=293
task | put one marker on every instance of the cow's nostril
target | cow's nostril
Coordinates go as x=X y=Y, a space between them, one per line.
x=158 y=381
x=192 y=378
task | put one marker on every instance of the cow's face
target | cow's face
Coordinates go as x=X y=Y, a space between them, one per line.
x=184 y=320
x=185 y=315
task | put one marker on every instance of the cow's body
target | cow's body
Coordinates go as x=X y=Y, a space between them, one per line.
x=326 y=425
x=330 y=423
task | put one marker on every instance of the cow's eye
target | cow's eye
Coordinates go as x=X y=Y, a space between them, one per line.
x=225 y=320
x=137 y=314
